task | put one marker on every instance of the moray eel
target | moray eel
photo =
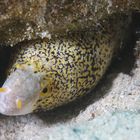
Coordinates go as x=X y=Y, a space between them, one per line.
x=49 y=73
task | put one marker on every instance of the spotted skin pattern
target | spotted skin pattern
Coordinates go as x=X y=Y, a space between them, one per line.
x=71 y=65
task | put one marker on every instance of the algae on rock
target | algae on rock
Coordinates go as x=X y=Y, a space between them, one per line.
x=27 y=20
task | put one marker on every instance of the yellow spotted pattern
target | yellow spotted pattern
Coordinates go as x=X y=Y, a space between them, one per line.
x=72 y=64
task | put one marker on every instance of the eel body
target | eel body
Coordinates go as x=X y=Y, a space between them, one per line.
x=48 y=73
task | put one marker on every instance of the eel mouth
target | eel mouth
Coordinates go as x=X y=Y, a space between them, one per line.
x=19 y=93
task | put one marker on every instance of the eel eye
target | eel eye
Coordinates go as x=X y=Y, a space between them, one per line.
x=45 y=90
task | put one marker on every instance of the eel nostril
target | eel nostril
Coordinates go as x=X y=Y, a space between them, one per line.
x=19 y=103
x=2 y=89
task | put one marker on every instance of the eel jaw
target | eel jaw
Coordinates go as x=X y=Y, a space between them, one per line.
x=19 y=93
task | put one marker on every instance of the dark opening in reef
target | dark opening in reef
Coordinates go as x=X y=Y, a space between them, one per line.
x=5 y=54
x=125 y=60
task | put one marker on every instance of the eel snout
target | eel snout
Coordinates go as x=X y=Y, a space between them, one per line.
x=19 y=93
